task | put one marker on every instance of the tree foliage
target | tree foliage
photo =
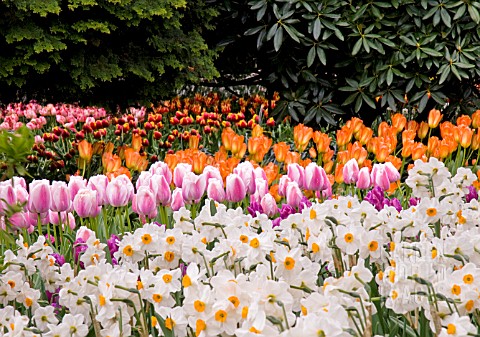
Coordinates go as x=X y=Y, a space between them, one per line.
x=327 y=57
x=118 y=51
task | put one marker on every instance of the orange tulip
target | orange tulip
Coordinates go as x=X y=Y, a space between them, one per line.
x=109 y=147
x=136 y=142
x=408 y=135
x=292 y=157
x=476 y=119
x=237 y=144
x=418 y=151
x=85 y=150
x=274 y=193
x=98 y=148
x=193 y=142
x=355 y=124
x=221 y=154
x=171 y=160
x=257 y=131
x=434 y=118
x=301 y=136
x=110 y=162
x=327 y=156
x=364 y=135
x=328 y=166
x=464 y=120
x=339 y=173
x=199 y=162
x=422 y=130
x=227 y=137
x=322 y=140
x=383 y=129
x=465 y=134
x=443 y=149
x=412 y=125
x=475 y=141
x=121 y=170
x=433 y=143
x=397 y=162
x=271 y=171
x=280 y=150
x=407 y=148
x=312 y=152
x=382 y=152
x=399 y=121
x=344 y=135
x=135 y=161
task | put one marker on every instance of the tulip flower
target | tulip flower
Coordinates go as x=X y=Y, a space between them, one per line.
x=60 y=193
x=39 y=198
x=8 y=197
x=364 y=181
x=350 y=172
x=296 y=173
x=145 y=202
x=269 y=205
x=314 y=179
x=193 y=187
x=246 y=172
x=179 y=172
x=161 y=168
x=215 y=190
x=119 y=191
x=282 y=185
x=18 y=220
x=212 y=172
x=293 y=194
x=99 y=183
x=177 y=199
x=161 y=188
x=235 y=188
x=86 y=204
x=75 y=184
x=85 y=150
x=392 y=172
x=434 y=118
x=379 y=177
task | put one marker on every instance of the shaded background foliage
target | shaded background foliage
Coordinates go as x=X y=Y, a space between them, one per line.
x=107 y=52
x=325 y=57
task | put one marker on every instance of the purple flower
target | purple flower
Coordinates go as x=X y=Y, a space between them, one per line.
x=304 y=203
x=376 y=197
x=413 y=201
x=183 y=268
x=472 y=194
x=395 y=203
x=113 y=244
x=286 y=210
x=276 y=222
x=79 y=247
x=254 y=208
x=59 y=259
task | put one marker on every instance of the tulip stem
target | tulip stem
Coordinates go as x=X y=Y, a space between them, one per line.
x=39 y=225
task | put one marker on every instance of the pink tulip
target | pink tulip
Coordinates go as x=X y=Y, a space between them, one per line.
x=364 y=181
x=7 y=197
x=22 y=194
x=119 y=191
x=350 y=171
x=193 y=187
x=39 y=198
x=269 y=205
x=179 y=172
x=62 y=220
x=314 y=177
x=211 y=172
x=235 y=189
x=61 y=201
x=245 y=171
x=143 y=179
x=380 y=177
x=32 y=218
x=296 y=173
x=160 y=186
x=261 y=188
x=177 y=199
x=18 y=220
x=99 y=183
x=215 y=190
x=75 y=184
x=282 y=185
x=145 y=203
x=86 y=204
x=84 y=233
x=293 y=194
x=259 y=172
x=162 y=168
x=392 y=172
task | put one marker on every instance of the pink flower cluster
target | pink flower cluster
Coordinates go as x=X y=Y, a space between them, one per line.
x=382 y=175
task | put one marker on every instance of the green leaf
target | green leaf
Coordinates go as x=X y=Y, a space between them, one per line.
x=321 y=56
x=459 y=12
x=389 y=76
x=311 y=56
x=358 y=103
x=294 y=34
x=474 y=14
x=253 y=31
x=431 y=52
x=446 y=17
x=368 y=100
x=278 y=39
x=423 y=103
x=366 y=45
x=356 y=47
x=317 y=28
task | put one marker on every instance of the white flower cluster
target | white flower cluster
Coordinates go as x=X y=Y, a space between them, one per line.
x=226 y=273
